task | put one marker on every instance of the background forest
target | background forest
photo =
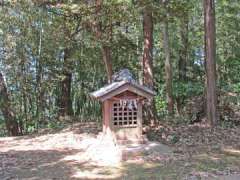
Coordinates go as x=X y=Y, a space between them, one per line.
x=54 y=53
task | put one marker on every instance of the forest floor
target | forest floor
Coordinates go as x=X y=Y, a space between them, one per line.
x=197 y=152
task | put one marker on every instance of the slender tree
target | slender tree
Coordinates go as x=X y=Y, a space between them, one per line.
x=210 y=59
x=39 y=76
x=168 y=68
x=105 y=48
x=65 y=95
x=107 y=59
x=183 y=55
x=183 y=51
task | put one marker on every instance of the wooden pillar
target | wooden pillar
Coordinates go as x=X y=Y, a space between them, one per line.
x=107 y=114
x=139 y=118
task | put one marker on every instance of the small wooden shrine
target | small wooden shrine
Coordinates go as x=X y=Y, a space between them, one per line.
x=122 y=106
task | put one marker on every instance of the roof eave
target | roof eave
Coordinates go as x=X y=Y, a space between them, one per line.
x=145 y=91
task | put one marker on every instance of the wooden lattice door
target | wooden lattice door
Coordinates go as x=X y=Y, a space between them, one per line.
x=123 y=116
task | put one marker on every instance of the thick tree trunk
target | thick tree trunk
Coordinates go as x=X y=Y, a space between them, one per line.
x=65 y=95
x=147 y=61
x=66 y=102
x=210 y=58
x=148 y=48
x=168 y=68
x=8 y=114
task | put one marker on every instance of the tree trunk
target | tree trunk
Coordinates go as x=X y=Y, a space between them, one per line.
x=8 y=114
x=148 y=48
x=210 y=59
x=39 y=92
x=147 y=61
x=24 y=105
x=65 y=95
x=183 y=53
x=183 y=56
x=168 y=68
x=106 y=49
x=39 y=75
x=106 y=55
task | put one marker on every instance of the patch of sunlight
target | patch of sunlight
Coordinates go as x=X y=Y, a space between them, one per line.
x=87 y=142
x=78 y=158
x=49 y=164
x=97 y=155
x=232 y=94
x=150 y=165
x=152 y=144
x=205 y=156
x=214 y=158
x=104 y=151
x=231 y=151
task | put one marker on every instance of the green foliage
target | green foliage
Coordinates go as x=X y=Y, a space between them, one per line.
x=236 y=88
x=189 y=89
x=174 y=138
x=161 y=105
x=55 y=125
x=2 y=126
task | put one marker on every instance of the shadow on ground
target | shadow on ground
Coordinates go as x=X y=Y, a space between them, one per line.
x=36 y=164
x=61 y=156
x=52 y=164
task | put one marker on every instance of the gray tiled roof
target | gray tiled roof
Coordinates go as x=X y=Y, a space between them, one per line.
x=123 y=77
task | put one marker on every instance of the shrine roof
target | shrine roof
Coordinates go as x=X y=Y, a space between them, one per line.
x=122 y=81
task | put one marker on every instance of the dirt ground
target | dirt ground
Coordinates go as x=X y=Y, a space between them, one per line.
x=62 y=155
